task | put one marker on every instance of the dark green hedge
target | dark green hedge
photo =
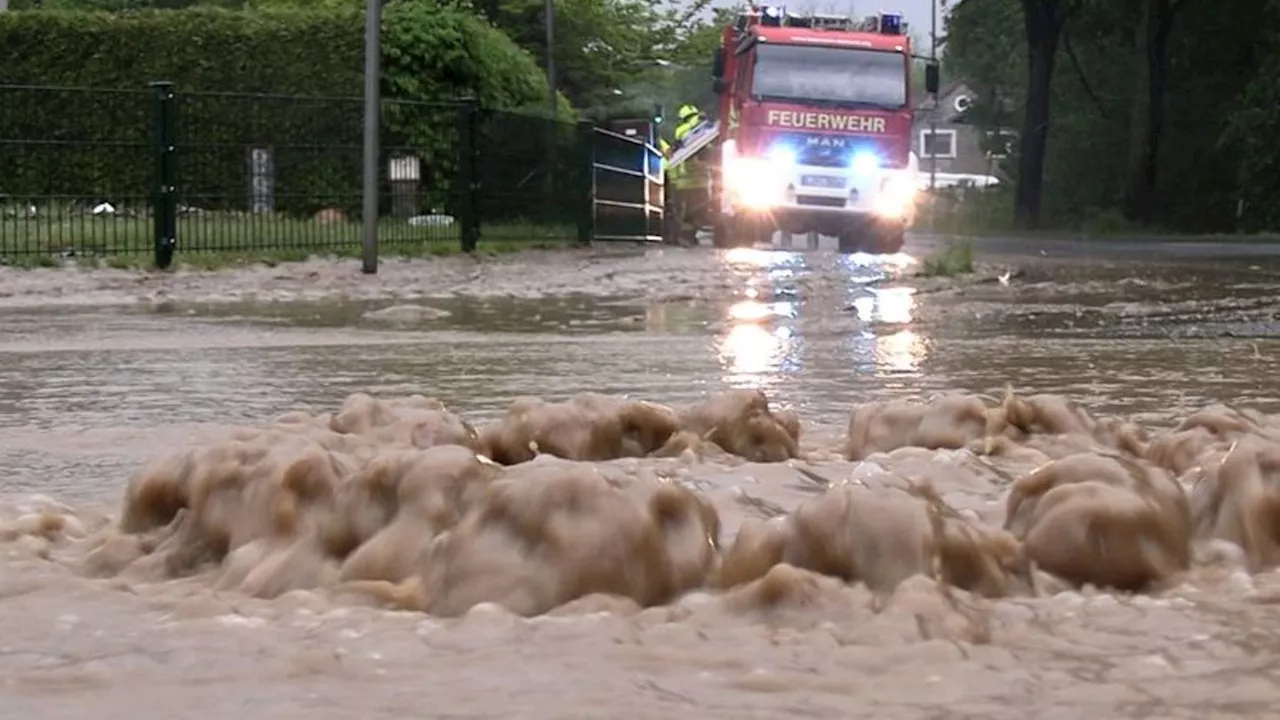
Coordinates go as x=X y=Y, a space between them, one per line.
x=94 y=143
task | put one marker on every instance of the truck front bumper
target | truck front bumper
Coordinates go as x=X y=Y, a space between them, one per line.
x=803 y=198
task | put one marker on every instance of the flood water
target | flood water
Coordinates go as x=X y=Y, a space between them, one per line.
x=88 y=395
x=818 y=332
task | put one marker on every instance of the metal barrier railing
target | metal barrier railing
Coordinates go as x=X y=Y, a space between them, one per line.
x=144 y=175
x=628 y=192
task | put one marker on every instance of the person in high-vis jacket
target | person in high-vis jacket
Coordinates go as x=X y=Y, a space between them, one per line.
x=687 y=186
x=669 y=230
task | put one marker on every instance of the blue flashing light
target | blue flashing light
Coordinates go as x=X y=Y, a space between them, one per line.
x=864 y=163
x=890 y=23
x=782 y=155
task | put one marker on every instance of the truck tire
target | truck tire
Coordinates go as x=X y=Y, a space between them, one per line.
x=749 y=232
x=720 y=233
x=889 y=239
x=855 y=239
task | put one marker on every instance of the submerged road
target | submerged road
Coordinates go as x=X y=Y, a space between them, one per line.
x=1163 y=248
x=89 y=393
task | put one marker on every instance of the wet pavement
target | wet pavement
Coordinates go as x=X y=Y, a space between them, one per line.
x=88 y=394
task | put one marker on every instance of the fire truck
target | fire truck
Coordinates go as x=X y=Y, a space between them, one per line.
x=814 y=129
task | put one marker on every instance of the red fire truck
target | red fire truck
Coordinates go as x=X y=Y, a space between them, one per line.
x=814 y=129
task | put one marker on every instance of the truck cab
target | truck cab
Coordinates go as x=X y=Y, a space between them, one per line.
x=815 y=118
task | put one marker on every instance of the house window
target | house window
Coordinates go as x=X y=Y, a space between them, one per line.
x=941 y=144
x=1000 y=143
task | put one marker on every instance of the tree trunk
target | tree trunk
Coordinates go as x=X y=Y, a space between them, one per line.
x=1042 y=28
x=1156 y=29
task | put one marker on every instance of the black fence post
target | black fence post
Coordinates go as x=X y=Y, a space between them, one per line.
x=587 y=211
x=468 y=180
x=164 y=203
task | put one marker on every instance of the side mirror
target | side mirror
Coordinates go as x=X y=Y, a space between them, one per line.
x=717 y=63
x=719 y=86
x=931 y=78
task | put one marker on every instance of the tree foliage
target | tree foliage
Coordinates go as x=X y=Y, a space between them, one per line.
x=283 y=79
x=1162 y=111
x=684 y=77
x=1253 y=135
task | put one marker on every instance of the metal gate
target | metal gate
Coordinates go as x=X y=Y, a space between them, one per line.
x=627 y=188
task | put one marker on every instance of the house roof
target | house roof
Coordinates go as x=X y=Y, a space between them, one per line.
x=925 y=102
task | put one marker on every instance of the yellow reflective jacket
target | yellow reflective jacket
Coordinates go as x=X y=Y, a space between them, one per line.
x=692 y=174
x=688 y=123
x=673 y=175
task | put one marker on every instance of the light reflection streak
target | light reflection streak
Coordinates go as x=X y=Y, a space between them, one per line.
x=894 y=351
x=901 y=352
x=888 y=305
x=754 y=311
x=750 y=351
x=754 y=258
x=755 y=352
x=758 y=346
x=860 y=261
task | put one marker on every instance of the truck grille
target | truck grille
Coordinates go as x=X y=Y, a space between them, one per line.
x=823 y=158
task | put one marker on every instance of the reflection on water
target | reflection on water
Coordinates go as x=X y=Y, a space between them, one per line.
x=889 y=353
x=755 y=311
x=753 y=259
x=754 y=355
x=863 y=267
x=821 y=341
x=901 y=352
x=889 y=305
x=762 y=341
x=759 y=346
x=775 y=265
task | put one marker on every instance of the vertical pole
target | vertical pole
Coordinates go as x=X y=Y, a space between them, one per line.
x=933 y=116
x=644 y=174
x=165 y=198
x=4 y=5
x=549 y=9
x=372 y=124
x=468 y=187
x=659 y=181
x=587 y=213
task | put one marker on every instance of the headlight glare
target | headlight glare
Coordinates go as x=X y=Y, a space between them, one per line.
x=865 y=163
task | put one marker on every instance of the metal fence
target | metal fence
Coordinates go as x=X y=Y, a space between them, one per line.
x=628 y=188
x=150 y=172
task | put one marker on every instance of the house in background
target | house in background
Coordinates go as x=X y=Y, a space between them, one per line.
x=958 y=151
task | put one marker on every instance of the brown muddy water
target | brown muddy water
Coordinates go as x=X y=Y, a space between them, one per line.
x=100 y=374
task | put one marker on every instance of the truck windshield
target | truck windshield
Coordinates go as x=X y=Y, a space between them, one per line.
x=830 y=75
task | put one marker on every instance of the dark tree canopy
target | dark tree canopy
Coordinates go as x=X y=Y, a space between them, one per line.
x=1154 y=112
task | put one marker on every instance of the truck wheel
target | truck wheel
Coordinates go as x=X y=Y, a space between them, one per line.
x=749 y=232
x=889 y=239
x=720 y=233
x=851 y=241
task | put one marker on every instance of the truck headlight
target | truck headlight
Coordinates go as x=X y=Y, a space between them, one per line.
x=896 y=197
x=757 y=183
x=760 y=182
x=864 y=163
